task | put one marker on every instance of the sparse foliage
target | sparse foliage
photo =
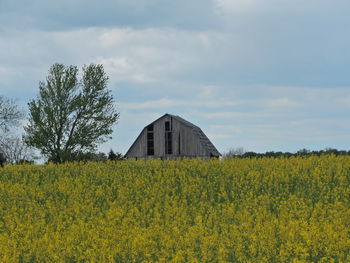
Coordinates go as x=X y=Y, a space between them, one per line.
x=11 y=146
x=10 y=115
x=71 y=116
x=112 y=156
x=15 y=151
x=87 y=157
x=234 y=152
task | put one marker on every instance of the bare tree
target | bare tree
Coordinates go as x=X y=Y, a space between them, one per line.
x=234 y=152
x=15 y=151
x=10 y=115
x=12 y=149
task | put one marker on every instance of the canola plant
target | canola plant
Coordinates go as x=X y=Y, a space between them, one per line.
x=238 y=210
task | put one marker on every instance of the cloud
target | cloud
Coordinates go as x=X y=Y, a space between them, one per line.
x=157 y=57
x=68 y=15
x=295 y=42
x=283 y=102
x=153 y=55
x=273 y=6
x=344 y=101
x=233 y=6
x=176 y=103
x=234 y=115
x=155 y=104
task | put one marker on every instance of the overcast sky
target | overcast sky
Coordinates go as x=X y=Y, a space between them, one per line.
x=266 y=75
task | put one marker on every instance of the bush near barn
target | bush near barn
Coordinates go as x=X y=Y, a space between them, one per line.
x=238 y=210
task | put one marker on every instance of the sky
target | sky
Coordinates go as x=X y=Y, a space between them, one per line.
x=265 y=75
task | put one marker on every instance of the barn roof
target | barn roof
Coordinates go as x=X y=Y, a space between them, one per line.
x=202 y=137
x=207 y=144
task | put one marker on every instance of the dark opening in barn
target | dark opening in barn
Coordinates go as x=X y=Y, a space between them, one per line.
x=168 y=139
x=150 y=140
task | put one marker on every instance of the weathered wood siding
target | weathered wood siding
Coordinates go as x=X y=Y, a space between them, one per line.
x=185 y=143
x=139 y=148
x=190 y=144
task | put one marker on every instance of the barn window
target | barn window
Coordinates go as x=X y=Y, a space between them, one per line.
x=150 y=140
x=150 y=136
x=167 y=126
x=168 y=138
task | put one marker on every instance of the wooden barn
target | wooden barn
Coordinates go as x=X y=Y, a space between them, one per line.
x=172 y=137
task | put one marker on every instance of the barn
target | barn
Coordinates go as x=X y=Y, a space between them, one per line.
x=172 y=137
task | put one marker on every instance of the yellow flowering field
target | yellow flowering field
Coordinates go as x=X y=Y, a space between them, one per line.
x=238 y=210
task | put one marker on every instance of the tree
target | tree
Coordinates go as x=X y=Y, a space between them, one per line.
x=303 y=152
x=12 y=148
x=112 y=156
x=234 y=152
x=71 y=116
x=88 y=157
x=2 y=159
x=15 y=151
x=10 y=115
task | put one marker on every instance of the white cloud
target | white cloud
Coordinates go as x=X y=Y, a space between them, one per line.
x=124 y=70
x=135 y=56
x=283 y=102
x=180 y=103
x=243 y=6
x=154 y=104
x=152 y=55
x=226 y=115
x=236 y=6
x=345 y=101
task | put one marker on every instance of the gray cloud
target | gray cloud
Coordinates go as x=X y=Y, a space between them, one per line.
x=65 y=14
x=294 y=42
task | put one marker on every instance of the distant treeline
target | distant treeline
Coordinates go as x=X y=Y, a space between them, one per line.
x=240 y=153
x=94 y=157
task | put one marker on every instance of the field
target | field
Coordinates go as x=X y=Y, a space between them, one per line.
x=239 y=210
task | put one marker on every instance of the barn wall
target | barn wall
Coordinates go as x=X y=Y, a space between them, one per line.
x=177 y=129
x=139 y=147
x=189 y=143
